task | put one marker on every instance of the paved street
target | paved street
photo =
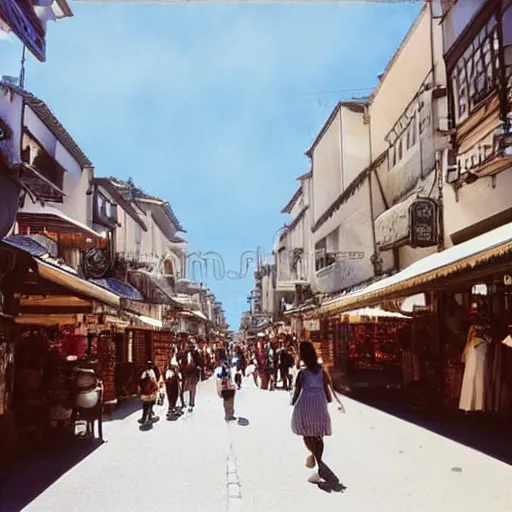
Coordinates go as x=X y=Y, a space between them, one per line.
x=387 y=465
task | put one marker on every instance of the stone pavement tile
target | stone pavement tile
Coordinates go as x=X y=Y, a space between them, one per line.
x=386 y=463
x=179 y=465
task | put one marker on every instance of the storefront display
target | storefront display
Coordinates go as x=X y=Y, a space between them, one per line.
x=472 y=395
x=141 y=347
x=107 y=359
x=375 y=346
x=161 y=343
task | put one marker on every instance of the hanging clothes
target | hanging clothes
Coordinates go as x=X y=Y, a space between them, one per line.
x=493 y=377
x=472 y=396
x=505 y=397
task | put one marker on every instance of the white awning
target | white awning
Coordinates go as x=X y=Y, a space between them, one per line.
x=465 y=256
x=374 y=313
x=199 y=314
x=76 y=284
x=150 y=321
x=51 y=218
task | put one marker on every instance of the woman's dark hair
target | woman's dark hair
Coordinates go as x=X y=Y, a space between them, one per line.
x=223 y=356
x=309 y=356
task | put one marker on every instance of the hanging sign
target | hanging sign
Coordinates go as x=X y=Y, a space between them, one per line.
x=423 y=223
x=312 y=325
x=21 y=18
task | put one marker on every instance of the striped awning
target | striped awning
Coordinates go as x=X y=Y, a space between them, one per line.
x=124 y=290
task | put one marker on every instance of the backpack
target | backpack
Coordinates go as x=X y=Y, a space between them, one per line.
x=189 y=367
x=148 y=386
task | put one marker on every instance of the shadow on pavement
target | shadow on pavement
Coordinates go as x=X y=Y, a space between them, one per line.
x=124 y=409
x=481 y=432
x=32 y=476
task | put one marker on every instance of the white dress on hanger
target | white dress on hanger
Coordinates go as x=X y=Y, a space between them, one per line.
x=472 y=395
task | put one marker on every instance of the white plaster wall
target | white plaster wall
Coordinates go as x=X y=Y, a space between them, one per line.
x=356 y=145
x=477 y=202
x=327 y=177
x=401 y=81
x=355 y=233
x=76 y=181
x=129 y=237
x=309 y=256
x=297 y=207
x=407 y=255
x=297 y=235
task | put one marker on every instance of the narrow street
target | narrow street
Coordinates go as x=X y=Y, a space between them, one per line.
x=386 y=463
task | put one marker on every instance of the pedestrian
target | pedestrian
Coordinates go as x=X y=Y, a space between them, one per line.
x=225 y=386
x=240 y=365
x=191 y=368
x=270 y=367
x=172 y=384
x=311 y=419
x=285 y=363
x=148 y=391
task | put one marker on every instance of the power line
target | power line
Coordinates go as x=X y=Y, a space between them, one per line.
x=335 y=91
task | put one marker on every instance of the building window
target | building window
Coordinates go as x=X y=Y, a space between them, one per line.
x=320 y=255
x=413 y=131
x=168 y=268
x=476 y=74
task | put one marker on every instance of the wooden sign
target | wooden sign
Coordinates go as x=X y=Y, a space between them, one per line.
x=423 y=223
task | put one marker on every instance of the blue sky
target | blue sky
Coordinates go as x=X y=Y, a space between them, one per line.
x=210 y=106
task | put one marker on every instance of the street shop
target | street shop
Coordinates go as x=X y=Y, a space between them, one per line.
x=458 y=353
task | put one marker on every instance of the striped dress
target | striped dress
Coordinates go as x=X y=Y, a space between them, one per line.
x=310 y=414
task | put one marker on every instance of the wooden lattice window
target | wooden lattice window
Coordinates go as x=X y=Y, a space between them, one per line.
x=475 y=76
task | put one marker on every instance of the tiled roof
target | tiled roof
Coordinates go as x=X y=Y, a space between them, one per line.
x=44 y=113
x=130 y=192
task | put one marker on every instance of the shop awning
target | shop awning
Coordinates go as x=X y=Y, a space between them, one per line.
x=150 y=321
x=76 y=284
x=52 y=219
x=124 y=290
x=193 y=312
x=426 y=271
x=373 y=313
x=61 y=275
x=199 y=314
x=156 y=289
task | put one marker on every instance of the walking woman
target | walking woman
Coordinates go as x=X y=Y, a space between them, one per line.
x=148 y=392
x=311 y=418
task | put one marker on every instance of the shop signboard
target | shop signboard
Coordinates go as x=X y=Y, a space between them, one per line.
x=423 y=223
x=21 y=18
x=312 y=325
